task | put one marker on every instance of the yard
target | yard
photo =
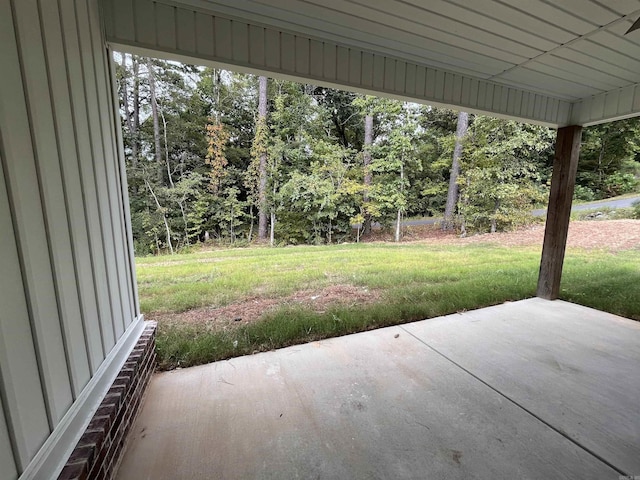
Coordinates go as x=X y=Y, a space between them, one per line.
x=216 y=304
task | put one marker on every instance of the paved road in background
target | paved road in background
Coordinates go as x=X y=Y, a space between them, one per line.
x=614 y=203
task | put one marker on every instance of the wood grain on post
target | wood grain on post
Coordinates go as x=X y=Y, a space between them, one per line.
x=563 y=181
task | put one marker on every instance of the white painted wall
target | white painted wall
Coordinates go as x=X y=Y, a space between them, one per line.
x=67 y=283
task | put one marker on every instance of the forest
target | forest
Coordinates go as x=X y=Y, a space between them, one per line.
x=231 y=158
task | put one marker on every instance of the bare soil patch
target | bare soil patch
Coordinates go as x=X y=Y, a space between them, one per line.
x=610 y=235
x=250 y=310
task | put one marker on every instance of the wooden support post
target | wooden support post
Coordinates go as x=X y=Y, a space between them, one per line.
x=563 y=182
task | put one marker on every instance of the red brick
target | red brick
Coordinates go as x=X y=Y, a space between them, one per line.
x=99 y=450
x=94 y=439
x=116 y=390
x=75 y=471
x=99 y=424
x=83 y=454
x=123 y=381
x=114 y=399
x=108 y=411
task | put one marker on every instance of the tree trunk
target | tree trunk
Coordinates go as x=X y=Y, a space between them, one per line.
x=262 y=181
x=127 y=114
x=368 y=141
x=164 y=216
x=156 y=121
x=399 y=219
x=273 y=226
x=600 y=157
x=464 y=201
x=452 y=194
x=250 y=236
x=166 y=148
x=494 y=221
x=135 y=134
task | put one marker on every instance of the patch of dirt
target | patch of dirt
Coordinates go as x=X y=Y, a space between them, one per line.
x=610 y=235
x=250 y=310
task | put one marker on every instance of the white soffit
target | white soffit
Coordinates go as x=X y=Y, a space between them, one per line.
x=549 y=54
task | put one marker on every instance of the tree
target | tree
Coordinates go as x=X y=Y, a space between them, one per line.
x=608 y=163
x=345 y=116
x=261 y=151
x=206 y=148
x=393 y=156
x=374 y=111
x=366 y=155
x=435 y=143
x=452 y=195
x=156 y=122
x=123 y=76
x=325 y=193
x=297 y=123
x=217 y=138
x=500 y=180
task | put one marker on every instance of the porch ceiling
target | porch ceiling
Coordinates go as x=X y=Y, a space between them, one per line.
x=573 y=54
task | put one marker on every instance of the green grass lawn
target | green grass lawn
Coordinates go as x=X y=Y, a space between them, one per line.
x=415 y=281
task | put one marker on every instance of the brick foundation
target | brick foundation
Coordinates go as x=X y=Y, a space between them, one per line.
x=100 y=448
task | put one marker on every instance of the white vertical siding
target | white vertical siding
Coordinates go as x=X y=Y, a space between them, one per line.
x=7 y=461
x=22 y=177
x=112 y=165
x=45 y=139
x=613 y=105
x=91 y=211
x=67 y=288
x=182 y=32
x=98 y=145
x=25 y=411
x=86 y=321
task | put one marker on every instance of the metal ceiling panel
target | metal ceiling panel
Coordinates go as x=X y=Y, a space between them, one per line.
x=564 y=51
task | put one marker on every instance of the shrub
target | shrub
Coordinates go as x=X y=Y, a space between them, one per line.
x=584 y=194
x=620 y=183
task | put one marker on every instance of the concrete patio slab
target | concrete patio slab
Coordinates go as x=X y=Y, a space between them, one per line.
x=474 y=395
x=573 y=367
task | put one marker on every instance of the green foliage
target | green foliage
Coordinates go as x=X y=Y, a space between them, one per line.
x=227 y=213
x=584 y=194
x=345 y=121
x=324 y=194
x=619 y=183
x=394 y=155
x=204 y=182
x=609 y=150
x=636 y=209
x=500 y=180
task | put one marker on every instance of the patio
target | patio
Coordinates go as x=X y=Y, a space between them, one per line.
x=73 y=341
x=530 y=389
